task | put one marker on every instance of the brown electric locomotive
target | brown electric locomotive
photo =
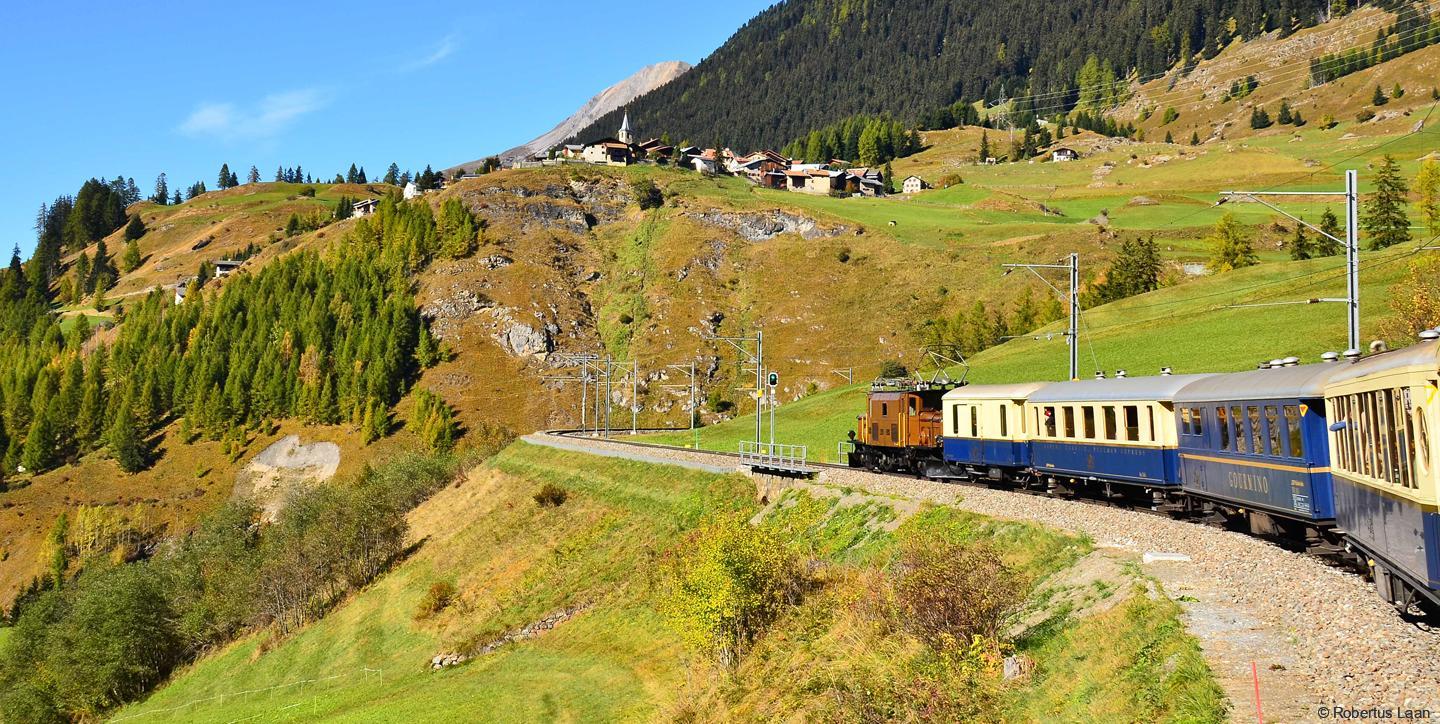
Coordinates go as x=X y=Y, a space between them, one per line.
x=901 y=428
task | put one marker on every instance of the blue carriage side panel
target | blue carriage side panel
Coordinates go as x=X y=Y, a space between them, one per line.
x=1282 y=483
x=1149 y=465
x=988 y=453
x=1400 y=531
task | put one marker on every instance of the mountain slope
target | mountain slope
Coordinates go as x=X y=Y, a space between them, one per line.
x=805 y=63
x=643 y=81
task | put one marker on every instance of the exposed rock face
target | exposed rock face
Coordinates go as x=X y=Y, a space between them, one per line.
x=520 y=339
x=643 y=81
x=284 y=467
x=767 y=225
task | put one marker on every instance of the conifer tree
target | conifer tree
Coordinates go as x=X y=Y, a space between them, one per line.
x=1230 y=248
x=351 y=176
x=1169 y=138
x=392 y=175
x=1325 y=245
x=1300 y=246
x=1427 y=187
x=224 y=181
x=1384 y=218
x=984 y=146
x=125 y=442
x=1378 y=99
x=162 y=191
x=135 y=229
x=1283 y=117
x=254 y=176
x=131 y=260
x=41 y=443
x=1194 y=138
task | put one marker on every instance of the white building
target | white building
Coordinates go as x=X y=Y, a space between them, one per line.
x=411 y=190
x=913 y=185
x=365 y=207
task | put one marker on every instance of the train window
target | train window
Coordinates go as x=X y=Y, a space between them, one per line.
x=1237 y=418
x=1272 y=425
x=1069 y=430
x=1049 y=422
x=1422 y=439
x=1256 y=432
x=955 y=420
x=1132 y=423
x=1197 y=416
x=1004 y=420
x=1366 y=450
x=1292 y=424
x=1109 y=422
x=974 y=421
x=1223 y=419
x=1089 y=416
x=912 y=404
x=884 y=409
x=1185 y=428
x=1405 y=438
x=1150 y=418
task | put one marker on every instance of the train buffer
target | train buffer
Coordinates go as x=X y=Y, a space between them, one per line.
x=780 y=459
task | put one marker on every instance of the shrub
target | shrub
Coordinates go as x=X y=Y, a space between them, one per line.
x=435 y=600
x=893 y=369
x=843 y=256
x=1170 y=115
x=647 y=194
x=1364 y=115
x=950 y=179
x=948 y=593
x=726 y=585
x=308 y=191
x=551 y=496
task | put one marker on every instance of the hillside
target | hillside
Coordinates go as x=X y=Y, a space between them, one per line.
x=595 y=569
x=802 y=64
x=615 y=97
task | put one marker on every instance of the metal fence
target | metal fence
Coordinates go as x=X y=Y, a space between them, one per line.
x=773 y=455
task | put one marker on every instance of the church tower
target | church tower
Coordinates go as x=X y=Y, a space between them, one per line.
x=625 y=135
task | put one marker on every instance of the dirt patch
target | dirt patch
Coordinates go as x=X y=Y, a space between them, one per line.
x=284 y=467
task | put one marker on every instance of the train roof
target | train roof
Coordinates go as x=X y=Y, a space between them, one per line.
x=1116 y=389
x=1424 y=353
x=1282 y=383
x=1017 y=391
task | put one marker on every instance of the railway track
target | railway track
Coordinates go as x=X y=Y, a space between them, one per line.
x=1318 y=631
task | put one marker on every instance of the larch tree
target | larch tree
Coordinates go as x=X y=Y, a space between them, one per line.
x=1427 y=187
x=1230 y=248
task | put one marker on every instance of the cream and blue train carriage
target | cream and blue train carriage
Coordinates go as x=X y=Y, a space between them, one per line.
x=1254 y=447
x=985 y=432
x=1094 y=433
x=1382 y=445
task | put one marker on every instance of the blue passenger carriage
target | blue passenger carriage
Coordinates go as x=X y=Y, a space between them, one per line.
x=1385 y=475
x=985 y=432
x=1254 y=448
x=1114 y=437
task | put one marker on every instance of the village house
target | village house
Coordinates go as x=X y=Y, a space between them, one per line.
x=572 y=151
x=411 y=190
x=913 y=185
x=866 y=181
x=365 y=207
x=608 y=152
x=226 y=267
x=1064 y=154
x=708 y=161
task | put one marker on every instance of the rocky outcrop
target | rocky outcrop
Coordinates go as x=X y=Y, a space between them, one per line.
x=440 y=661
x=520 y=339
x=764 y=226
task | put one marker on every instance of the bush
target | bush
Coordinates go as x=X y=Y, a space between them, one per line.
x=551 y=496
x=435 y=600
x=726 y=585
x=647 y=194
x=893 y=369
x=950 y=179
x=308 y=191
x=1364 y=115
x=948 y=593
x=1170 y=115
x=843 y=256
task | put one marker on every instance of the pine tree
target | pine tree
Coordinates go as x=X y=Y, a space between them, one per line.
x=1259 y=118
x=41 y=443
x=1194 y=138
x=351 y=176
x=176 y=201
x=1230 y=248
x=1169 y=138
x=1283 y=117
x=254 y=176
x=1427 y=186
x=162 y=191
x=392 y=175
x=1397 y=91
x=1300 y=246
x=1326 y=245
x=984 y=146
x=360 y=177
x=224 y=181
x=1378 y=99
x=1384 y=218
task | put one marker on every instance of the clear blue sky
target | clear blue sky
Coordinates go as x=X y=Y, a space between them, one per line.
x=134 y=89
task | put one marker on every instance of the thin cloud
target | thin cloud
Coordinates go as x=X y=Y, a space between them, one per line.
x=446 y=47
x=265 y=119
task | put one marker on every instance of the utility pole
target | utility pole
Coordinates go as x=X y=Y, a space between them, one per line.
x=756 y=358
x=1351 y=242
x=634 y=396
x=1072 y=298
x=689 y=370
x=587 y=363
x=848 y=373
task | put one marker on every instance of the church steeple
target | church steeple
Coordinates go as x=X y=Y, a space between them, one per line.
x=625 y=136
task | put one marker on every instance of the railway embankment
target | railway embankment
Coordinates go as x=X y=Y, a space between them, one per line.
x=1314 y=636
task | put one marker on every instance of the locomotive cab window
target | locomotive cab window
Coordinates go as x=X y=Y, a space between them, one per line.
x=912 y=404
x=884 y=409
